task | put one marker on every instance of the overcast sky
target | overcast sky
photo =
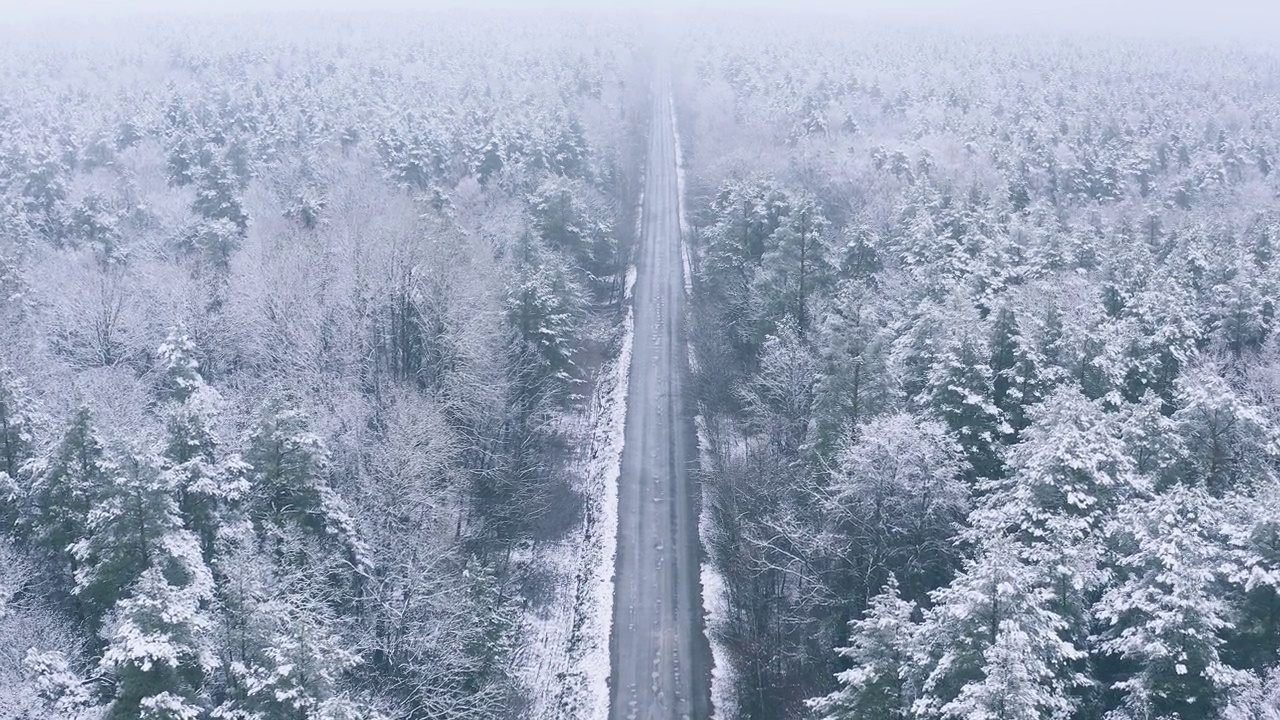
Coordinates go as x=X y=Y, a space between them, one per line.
x=1217 y=19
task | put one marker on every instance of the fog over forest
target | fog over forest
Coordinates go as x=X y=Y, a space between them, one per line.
x=1190 y=18
x=655 y=361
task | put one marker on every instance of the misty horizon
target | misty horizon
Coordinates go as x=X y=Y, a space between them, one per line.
x=1255 y=20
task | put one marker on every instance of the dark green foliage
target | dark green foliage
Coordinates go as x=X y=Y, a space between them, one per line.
x=960 y=388
x=64 y=491
x=17 y=448
x=131 y=520
x=290 y=491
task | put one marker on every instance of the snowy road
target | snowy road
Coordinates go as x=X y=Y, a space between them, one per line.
x=660 y=656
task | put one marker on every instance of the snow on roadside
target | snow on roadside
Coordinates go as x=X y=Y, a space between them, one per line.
x=715 y=603
x=602 y=484
x=715 y=599
x=564 y=661
x=684 y=225
x=630 y=283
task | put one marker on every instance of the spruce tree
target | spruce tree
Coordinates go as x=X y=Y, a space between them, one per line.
x=880 y=653
x=1166 y=614
x=17 y=448
x=992 y=645
x=68 y=486
x=290 y=490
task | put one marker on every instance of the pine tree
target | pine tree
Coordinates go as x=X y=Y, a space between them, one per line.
x=211 y=241
x=879 y=653
x=63 y=692
x=285 y=655
x=181 y=376
x=159 y=637
x=960 y=393
x=545 y=307
x=1252 y=528
x=68 y=485
x=209 y=483
x=218 y=192
x=1064 y=482
x=290 y=491
x=991 y=646
x=1054 y=364
x=569 y=217
x=1069 y=473
x=131 y=522
x=746 y=215
x=922 y=249
x=852 y=381
x=1224 y=440
x=16 y=448
x=1241 y=308
x=1016 y=384
x=1257 y=697
x=1166 y=614
x=795 y=266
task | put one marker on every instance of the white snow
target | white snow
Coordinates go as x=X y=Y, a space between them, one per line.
x=715 y=604
x=684 y=225
x=630 y=282
x=564 y=661
x=606 y=467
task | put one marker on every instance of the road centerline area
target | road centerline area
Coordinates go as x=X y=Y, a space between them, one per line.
x=659 y=652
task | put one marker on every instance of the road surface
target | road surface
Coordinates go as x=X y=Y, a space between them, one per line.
x=661 y=666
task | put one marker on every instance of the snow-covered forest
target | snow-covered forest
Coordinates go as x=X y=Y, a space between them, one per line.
x=987 y=370
x=296 y=318
x=316 y=338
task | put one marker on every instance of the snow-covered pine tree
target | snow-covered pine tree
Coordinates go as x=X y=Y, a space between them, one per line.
x=131 y=522
x=571 y=217
x=992 y=646
x=285 y=656
x=1016 y=385
x=17 y=448
x=851 y=380
x=159 y=641
x=60 y=690
x=1166 y=613
x=210 y=482
x=1257 y=697
x=960 y=393
x=290 y=491
x=218 y=191
x=545 y=304
x=1224 y=440
x=1251 y=523
x=796 y=266
x=67 y=485
x=880 y=653
x=1065 y=480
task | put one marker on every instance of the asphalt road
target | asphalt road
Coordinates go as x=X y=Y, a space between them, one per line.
x=661 y=661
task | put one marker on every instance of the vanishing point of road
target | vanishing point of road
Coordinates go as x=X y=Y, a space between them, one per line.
x=661 y=660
